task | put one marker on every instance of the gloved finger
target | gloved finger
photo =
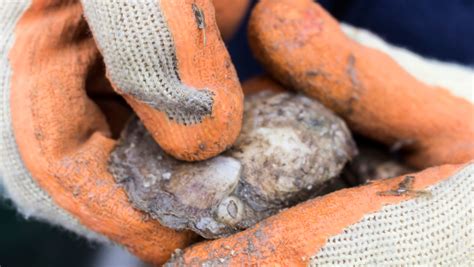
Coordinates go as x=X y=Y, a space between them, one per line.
x=62 y=136
x=169 y=62
x=367 y=88
x=454 y=77
x=229 y=15
x=402 y=220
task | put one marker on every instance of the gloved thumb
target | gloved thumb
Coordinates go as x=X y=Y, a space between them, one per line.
x=168 y=60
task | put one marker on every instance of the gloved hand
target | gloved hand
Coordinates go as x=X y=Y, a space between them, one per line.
x=59 y=112
x=424 y=218
x=348 y=78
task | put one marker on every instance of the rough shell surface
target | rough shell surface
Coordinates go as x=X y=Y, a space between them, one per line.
x=289 y=150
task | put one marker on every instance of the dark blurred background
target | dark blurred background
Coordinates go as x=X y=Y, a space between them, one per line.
x=441 y=29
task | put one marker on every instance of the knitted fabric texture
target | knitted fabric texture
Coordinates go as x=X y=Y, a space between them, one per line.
x=456 y=78
x=434 y=231
x=17 y=182
x=141 y=61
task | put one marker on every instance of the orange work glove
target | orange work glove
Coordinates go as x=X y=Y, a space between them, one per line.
x=424 y=218
x=375 y=96
x=59 y=114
